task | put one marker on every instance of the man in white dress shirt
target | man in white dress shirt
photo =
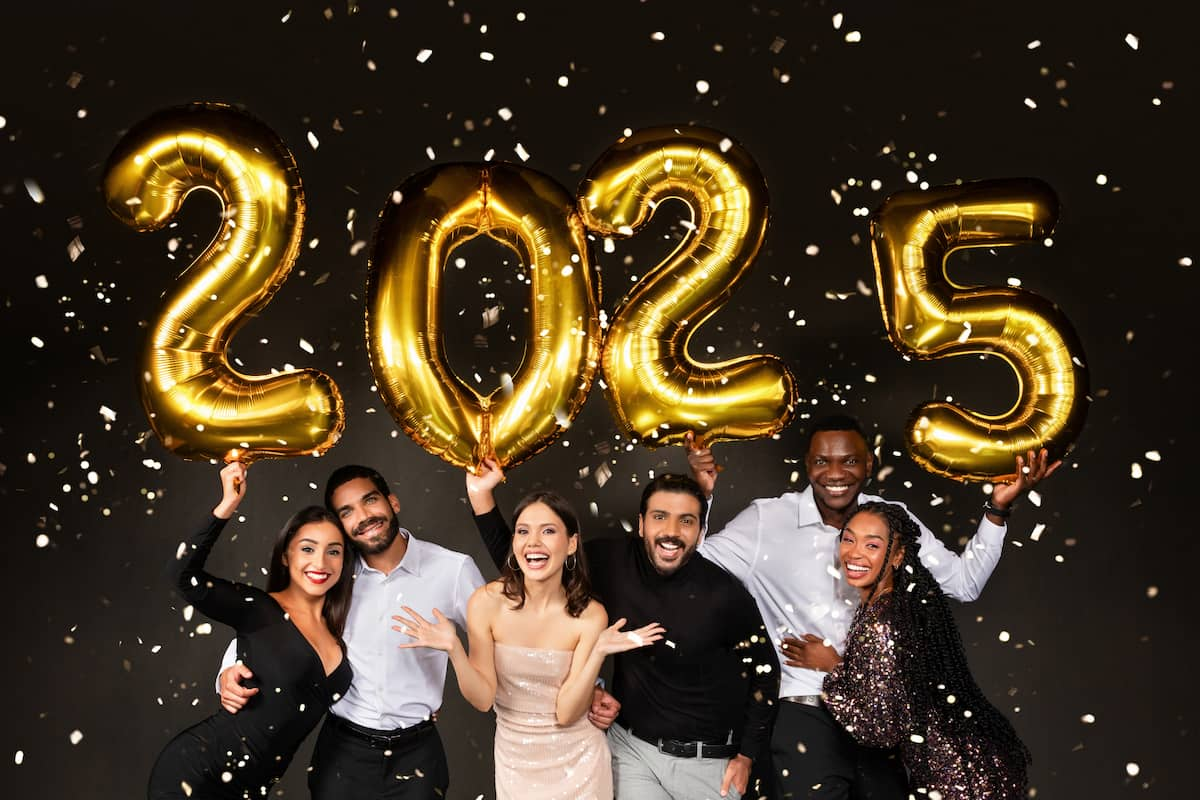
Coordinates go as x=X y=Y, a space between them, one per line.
x=784 y=549
x=379 y=740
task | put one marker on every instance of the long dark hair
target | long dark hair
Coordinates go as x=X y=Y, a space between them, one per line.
x=934 y=667
x=575 y=581
x=337 y=600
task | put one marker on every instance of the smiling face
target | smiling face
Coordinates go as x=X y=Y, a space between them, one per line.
x=541 y=542
x=838 y=463
x=367 y=515
x=670 y=529
x=314 y=557
x=863 y=551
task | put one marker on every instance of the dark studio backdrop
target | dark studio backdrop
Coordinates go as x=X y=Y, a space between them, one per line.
x=1082 y=637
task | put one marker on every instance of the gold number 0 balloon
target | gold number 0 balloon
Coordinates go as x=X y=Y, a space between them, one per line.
x=928 y=316
x=197 y=404
x=656 y=391
x=440 y=209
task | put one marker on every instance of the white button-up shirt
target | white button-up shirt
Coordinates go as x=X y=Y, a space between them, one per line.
x=788 y=560
x=396 y=687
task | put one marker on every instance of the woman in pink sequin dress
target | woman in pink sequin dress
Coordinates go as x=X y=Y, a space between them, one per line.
x=537 y=641
x=904 y=681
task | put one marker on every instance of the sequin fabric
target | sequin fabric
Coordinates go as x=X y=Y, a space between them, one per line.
x=536 y=758
x=866 y=695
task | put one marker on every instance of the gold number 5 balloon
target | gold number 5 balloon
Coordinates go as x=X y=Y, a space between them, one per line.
x=928 y=316
x=656 y=391
x=528 y=212
x=197 y=404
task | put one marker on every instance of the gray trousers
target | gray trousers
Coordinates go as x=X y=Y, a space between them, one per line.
x=641 y=772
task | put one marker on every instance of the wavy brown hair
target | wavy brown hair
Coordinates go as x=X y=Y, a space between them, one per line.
x=575 y=581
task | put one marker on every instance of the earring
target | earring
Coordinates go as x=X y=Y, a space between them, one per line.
x=511 y=563
x=571 y=562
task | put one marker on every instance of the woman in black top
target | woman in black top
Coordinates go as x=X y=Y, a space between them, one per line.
x=291 y=633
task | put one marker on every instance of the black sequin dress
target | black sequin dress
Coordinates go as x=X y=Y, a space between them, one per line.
x=230 y=756
x=866 y=695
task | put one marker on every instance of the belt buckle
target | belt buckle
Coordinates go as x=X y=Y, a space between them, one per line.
x=382 y=742
x=699 y=749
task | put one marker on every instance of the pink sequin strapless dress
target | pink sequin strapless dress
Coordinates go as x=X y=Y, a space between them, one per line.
x=536 y=758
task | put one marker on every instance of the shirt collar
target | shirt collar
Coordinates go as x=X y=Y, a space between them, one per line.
x=807 y=512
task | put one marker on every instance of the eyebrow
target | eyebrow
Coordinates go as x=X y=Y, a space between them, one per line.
x=314 y=541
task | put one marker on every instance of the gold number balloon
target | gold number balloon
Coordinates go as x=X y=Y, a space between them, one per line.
x=198 y=405
x=528 y=212
x=656 y=391
x=928 y=316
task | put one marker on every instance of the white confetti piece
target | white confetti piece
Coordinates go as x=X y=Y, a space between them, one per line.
x=1088 y=719
x=1132 y=41
x=312 y=140
x=1029 y=103
x=1101 y=179
x=657 y=36
x=1132 y=769
x=1034 y=45
x=702 y=86
x=521 y=151
x=306 y=347
x=486 y=56
x=35 y=192
x=42 y=540
x=505 y=114
x=37 y=342
x=41 y=282
x=20 y=755
x=76 y=736
x=108 y=414
x=1135 y=471
x=837 y=21
x=424 y=55
x=1151 y=592
x=1036 y=534
x=854 y=37
x=1004 y=636
x=1153 y=455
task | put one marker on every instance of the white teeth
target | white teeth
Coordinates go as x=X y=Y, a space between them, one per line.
x=856 y=568
x=669 y=546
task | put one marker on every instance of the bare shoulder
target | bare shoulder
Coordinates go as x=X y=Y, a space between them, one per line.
x=487 y=597
x=594 y=617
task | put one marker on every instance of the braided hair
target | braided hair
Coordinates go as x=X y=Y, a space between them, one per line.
x=934 y=669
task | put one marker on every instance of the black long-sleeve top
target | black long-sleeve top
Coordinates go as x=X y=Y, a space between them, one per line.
x=713 y=673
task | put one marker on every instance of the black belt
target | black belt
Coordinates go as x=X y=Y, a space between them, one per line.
x=383 y=740
x=674 y=747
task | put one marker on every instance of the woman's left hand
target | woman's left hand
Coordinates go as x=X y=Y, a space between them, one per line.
x=614 y=640
x=441 y=634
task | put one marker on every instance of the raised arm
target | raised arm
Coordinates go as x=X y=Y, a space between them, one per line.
x=963 y=577
x=216 y=597
x=596 y=642
x=481 y=487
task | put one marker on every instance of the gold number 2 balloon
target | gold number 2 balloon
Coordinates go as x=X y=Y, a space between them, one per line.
x=198 y=405
x=656 y=391
x=928 y=316
x=534 y=216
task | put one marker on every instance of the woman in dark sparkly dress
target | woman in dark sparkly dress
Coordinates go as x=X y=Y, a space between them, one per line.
x=903 y=680
x=291 y=633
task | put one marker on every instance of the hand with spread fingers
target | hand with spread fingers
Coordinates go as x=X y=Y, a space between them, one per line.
x=614 y=640
x=441 y=634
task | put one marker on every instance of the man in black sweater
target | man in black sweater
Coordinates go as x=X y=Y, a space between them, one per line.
x=695 y=708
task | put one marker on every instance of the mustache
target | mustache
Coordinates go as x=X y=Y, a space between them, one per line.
x=366 y=523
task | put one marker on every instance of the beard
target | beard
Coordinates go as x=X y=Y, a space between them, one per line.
x=382 y=541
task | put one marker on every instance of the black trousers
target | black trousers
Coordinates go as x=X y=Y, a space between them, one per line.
x=815 y=758
x=347 y=767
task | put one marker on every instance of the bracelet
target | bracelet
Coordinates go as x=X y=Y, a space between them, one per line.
x=1002 y=513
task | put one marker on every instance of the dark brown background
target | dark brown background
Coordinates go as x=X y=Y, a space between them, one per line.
x=1098 y=608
